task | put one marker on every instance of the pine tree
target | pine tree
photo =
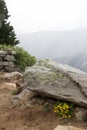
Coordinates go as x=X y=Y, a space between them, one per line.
x=7 y=34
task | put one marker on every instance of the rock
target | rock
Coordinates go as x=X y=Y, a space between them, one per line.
x=60 y=127
x=3 y=52
x=24 y=95
x=13 y=76
x=23 y=99
x=81 y=114
x=6 y=63
x=12 y=68
x=58 y=81
x=9 y=58
x=10 y=86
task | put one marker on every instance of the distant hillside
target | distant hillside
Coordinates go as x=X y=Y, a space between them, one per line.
x=79 y=61
x=52 y=44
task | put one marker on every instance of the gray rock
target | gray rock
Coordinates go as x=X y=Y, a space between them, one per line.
x=81 y=114
x=58 y=81
x=9 y=58
x=3 y=52
x=6 y=63
x=24 y=95
x=23 y=99
x=12 y=68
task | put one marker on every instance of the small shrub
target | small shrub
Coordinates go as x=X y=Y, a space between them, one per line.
x=23 y=58
x=64 y=109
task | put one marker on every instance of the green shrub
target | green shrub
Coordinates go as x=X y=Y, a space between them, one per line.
x=23 y=58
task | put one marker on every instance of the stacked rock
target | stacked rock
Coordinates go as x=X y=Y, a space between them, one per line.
x=7 y=61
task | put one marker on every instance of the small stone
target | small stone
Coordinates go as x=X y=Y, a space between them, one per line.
x=12 y=68
x=9 y=58
x=60 y=127
x=81 y=114
x=29 y=124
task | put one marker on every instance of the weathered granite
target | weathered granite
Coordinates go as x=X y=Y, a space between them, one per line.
x=58 y=81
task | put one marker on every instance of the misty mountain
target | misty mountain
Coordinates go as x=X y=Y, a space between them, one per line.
x=54 y=44
x=78 y=61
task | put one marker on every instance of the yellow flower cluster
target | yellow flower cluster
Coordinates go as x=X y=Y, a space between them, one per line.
x=63 y=110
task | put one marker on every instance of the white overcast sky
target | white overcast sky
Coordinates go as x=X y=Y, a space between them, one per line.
x=37 y=15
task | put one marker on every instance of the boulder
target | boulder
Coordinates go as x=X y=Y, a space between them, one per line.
x=58 y=81
x=60 y=127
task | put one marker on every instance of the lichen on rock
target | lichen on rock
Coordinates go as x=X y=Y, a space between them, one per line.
x=57 y=81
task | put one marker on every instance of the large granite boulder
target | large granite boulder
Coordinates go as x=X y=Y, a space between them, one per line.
x=58 y=81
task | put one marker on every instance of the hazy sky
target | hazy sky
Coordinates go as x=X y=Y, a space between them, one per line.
x=36 y=15
x=53 y=16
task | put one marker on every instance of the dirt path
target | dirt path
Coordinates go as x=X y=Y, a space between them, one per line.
x=25 y=118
